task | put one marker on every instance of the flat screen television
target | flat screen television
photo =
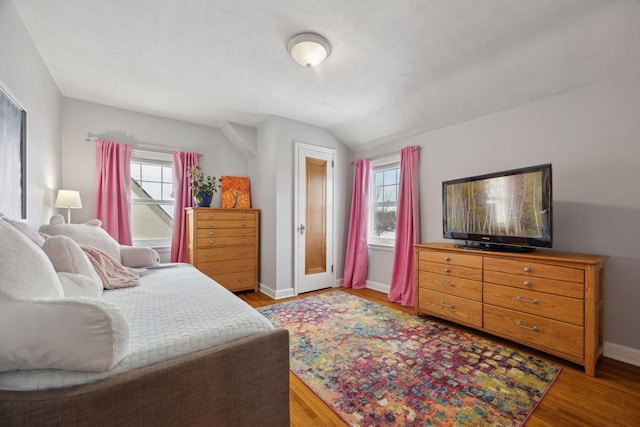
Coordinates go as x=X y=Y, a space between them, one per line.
x=509 y=210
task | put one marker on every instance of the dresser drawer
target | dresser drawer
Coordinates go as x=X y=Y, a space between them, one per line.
x=451 y=270
x=530 y=329
x=225 y=267
x=204 y=242
x=556 y=307
x=206 y=215
x=470 y=289
x=226 y=224
x=225 y=253
x=526 y=268
x=226 y=232
x=236 y=281
x=550 y=286
x=460 y=310
x=451 y=259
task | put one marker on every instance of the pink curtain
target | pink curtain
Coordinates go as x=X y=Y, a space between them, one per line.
x=355 y=264
x=182 y=162
x=113 y=189
x=407 y=229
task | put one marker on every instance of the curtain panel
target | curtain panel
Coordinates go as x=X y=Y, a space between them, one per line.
x=357 y=254
x=407 y=228
x=182 y=162
x=113 y=189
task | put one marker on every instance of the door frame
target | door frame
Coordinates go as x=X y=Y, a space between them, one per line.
x=296 y=217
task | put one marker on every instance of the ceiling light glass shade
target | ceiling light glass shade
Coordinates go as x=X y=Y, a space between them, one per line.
x=309 y=49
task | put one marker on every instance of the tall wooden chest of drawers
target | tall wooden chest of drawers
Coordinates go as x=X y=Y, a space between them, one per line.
x=223 y=244
x=551 y=301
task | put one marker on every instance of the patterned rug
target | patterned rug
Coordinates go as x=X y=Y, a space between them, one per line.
x=377 y=366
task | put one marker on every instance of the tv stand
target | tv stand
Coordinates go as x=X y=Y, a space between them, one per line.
x=493 y=247
x=551 y=301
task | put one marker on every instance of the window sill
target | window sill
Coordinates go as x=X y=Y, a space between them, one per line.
x=384 y=247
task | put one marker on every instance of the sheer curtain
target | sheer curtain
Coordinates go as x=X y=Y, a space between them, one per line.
x=113 y=189
x=407 y=228
x=182 y=162
x=355 y=264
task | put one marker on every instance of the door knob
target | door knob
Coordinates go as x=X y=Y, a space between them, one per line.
x=301 y=229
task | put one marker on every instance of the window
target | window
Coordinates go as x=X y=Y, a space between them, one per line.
x=385 y=179
x=152 y=198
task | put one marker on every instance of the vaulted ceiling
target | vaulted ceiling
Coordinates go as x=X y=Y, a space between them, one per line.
x=397 y=67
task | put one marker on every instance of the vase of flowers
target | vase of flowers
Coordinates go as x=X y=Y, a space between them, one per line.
x=203 y=187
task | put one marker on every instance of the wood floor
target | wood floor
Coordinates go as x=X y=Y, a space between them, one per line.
x=612 y=398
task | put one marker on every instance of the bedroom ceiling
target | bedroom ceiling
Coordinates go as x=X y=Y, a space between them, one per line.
x=396 y=67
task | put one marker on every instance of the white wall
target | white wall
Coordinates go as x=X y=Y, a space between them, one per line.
x=276 y=138
x=83 y=119
x=24 y=75
x=592 y=138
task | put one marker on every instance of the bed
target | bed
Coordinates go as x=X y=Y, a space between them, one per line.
x=198 y=356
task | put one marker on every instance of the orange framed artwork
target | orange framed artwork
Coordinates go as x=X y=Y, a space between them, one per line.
x=235 y=192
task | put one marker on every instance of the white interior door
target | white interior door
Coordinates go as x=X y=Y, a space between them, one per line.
x=314 y=263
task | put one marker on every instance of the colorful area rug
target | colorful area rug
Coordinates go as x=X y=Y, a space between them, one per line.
x=377 y=366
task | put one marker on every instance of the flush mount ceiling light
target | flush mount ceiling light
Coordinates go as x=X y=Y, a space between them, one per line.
x=309 y=49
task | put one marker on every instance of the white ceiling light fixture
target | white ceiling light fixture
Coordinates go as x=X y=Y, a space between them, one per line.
x=309 y=49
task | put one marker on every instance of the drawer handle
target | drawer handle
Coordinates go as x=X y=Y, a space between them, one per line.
x=210 y=224
x=244 y=231
x=244 y=223
x=445 y=305
x=244 y=240
x=532 y=301
x=210 y=215
x=244 y=215
x=523 y=326
x=527 y=270
x=211 y=268
x=212 y=254
x=243 y=252
x=243 y=265
x=444 y=283
x=211 y=233
x=211 y=242
x=446 y=270
x=446 y=258
x=526 y=283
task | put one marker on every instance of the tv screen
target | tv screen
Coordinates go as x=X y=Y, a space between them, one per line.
x=503 y=208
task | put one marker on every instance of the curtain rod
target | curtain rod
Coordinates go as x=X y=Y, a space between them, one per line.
x=381 y=156
x=138 y=147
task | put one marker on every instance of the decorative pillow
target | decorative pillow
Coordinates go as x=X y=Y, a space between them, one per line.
x=139 y=256
x=89 y=234
x=78 y=285
x=67 y=257
x=76 y=333
x=25 y=270
x=24 y=228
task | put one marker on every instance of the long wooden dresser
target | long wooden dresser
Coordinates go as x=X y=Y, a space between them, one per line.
x=551 y=301
x=223 y=244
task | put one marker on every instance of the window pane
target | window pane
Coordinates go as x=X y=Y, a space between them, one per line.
x=136 y=190
x=152 y=190
x=379 y=178
x=385 y=221
x=135 y=171
x=390 y=194
x=151 y=222
x=167 y=174
x=390 y=177
x=151 y=172
x=379 y=195
x=167 y=192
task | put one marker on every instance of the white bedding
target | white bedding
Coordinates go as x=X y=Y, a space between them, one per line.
x=174 y=311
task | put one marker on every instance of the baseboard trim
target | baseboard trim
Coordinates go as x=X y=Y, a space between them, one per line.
x=380 y=287
x=621 y=353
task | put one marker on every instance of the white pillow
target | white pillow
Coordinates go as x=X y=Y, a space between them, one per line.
x=25 y=270
x=78 y=285
x=68 y=257
x=77 y=333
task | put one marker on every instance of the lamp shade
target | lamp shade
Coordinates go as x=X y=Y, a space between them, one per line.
x=68 y=199
x=309 y=49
